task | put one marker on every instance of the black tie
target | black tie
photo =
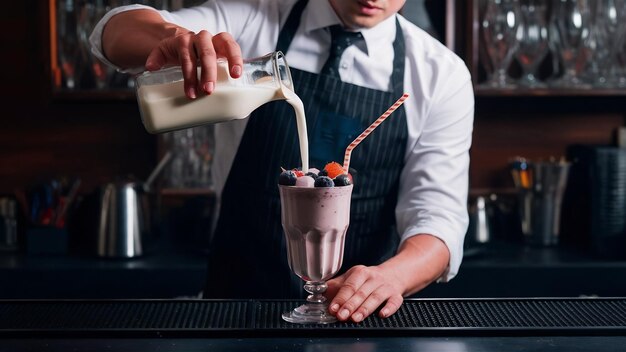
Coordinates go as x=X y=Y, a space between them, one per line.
x=341 y=39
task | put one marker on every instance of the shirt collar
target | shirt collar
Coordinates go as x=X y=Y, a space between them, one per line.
x=321 y=15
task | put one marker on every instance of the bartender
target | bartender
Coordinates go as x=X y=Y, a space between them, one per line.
x=350 y=60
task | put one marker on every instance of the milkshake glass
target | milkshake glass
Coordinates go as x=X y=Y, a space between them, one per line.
x=315 y=221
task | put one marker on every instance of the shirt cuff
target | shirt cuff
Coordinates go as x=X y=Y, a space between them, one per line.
x=455 y=247
x=95 y=39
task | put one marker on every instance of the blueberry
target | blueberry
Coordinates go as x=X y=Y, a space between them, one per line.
x=342 y=180
x=312 y=174
x=287 y=178
x=324 y=181
x=323 y=173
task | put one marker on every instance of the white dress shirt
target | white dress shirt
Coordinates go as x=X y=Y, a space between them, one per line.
x=440 y=110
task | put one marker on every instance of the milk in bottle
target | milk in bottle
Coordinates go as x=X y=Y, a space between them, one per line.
x=165 y=107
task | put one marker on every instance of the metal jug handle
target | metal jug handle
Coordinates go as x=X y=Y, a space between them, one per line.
x=482 y=226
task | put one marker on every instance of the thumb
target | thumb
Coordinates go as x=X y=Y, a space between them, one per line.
x=333 y=287
x=156 y=60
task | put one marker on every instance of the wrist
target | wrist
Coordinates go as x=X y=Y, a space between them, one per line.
x=420 y=260
x=129 y=37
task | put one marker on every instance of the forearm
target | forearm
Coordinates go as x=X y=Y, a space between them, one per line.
x=420 y=260
x=129 y=37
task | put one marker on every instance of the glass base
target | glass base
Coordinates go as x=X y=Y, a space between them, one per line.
x=310 y=313
x=500 y=84
x=569 y=81
x=530 y=82
x=500 y=80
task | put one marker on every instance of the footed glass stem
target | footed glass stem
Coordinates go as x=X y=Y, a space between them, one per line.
x=315 y=310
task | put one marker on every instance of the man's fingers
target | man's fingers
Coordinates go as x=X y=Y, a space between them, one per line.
x=333 y=287
x=187 y=58
x=361 y=291
x=190 y=50
x=355 y=278
x=207 y=57
x=166 y=53
x=354 y=307
x=226 y=46
x=393 y=304
x=373 y=301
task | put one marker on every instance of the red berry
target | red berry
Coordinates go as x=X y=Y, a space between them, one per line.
x=333 y=169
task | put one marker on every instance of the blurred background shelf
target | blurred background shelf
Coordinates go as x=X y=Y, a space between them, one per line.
x=512 y=269
x=548 y=39
x=187 y=192
x=94 y=95
x=167 y=271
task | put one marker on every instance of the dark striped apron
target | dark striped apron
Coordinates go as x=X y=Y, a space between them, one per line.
x=248 y=255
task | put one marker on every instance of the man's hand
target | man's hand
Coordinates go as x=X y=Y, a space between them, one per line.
x=361 y=290
x=142 y=37
x=190 y=50
x=356 y=294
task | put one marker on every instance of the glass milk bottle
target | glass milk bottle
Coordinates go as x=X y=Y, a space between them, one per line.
x=164 y=106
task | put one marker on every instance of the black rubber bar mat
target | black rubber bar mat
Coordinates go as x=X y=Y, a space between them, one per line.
x=417 y=317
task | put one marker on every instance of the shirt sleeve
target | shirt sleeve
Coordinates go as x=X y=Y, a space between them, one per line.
x=434 y=182
x=233 y=17
x=95 y=39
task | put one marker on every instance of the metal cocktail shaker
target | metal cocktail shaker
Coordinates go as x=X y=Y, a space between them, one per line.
x=124 y=220
x=541 y=201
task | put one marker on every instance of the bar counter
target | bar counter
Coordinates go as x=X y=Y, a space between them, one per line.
x=508 y=324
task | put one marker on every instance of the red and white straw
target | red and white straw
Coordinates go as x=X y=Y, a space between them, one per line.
x=361 y=137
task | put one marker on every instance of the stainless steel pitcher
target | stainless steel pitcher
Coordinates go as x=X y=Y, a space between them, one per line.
x=124 y=222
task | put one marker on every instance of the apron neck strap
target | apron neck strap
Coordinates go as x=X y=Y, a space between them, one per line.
x=397 y=75
x=291 y=26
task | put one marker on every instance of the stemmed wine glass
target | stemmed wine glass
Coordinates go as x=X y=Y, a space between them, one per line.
x=89 y=13
x=620 y=61
x=192 y=150
x=532 y=36
x=68 y=43
x=499 y=27
x=607 y=33
x=571 y=25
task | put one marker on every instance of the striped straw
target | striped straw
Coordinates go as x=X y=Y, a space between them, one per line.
x=361 y=137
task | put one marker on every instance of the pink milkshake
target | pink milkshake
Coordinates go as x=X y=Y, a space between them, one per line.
x=315 y=221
